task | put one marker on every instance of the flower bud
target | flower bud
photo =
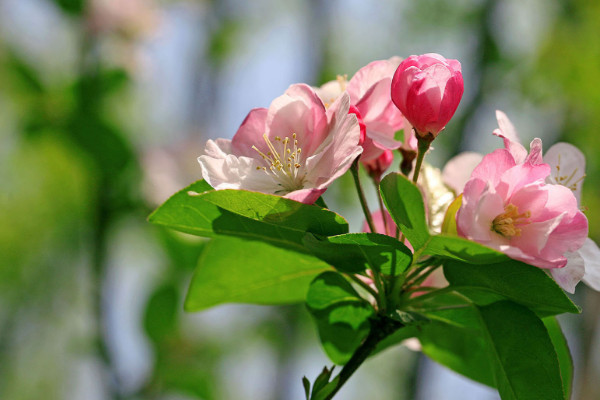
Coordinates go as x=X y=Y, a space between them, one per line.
x=361 y=124
x=377 y=166
x=427 y=90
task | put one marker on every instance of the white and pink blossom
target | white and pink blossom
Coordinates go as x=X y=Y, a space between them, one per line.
x=512 y=202
x=296 y=148
x=567 y=168
x=369 y=91
x=509 y=206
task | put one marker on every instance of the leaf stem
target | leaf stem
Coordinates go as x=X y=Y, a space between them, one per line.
x=361 y=196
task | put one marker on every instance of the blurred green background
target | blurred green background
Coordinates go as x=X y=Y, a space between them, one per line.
x=104 y=107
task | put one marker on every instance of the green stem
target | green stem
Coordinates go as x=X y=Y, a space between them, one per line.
x=381 y=328
x=380 y=291
x=377 y=182
x=361 y=196
x=423 y=146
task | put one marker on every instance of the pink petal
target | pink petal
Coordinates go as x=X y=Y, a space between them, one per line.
x=458 y=169
x=511 y=139
x=250 y=133
x=493 y=166
x=520 y=175
x=371 y=75
x=341 y=148
x=299 y=110
x=535 y=152
x=306 y=196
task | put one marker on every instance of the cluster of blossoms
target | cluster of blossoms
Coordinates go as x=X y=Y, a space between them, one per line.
x=521 y=203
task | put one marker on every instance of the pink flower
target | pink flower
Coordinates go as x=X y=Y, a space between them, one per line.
x=567 y=168
x=427 y=90
x=508 y=206
x=379 y=165
x=369 y=91
x=295 y=148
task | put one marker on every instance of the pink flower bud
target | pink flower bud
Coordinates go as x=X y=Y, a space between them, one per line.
x=427 y=90
x=361 y=124
x=379 y=165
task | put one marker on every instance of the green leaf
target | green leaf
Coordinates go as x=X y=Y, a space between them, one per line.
x=233 y=270
x=512 y=280
x=454 y=336
x=279 y=211
x=341 y=315
x=354 y=252
x=460 y=348
x=306 y=385
x=525 y=362
x=562 y=351
x=322 y=380
x=276 y=220
x=457 y=248
x=405 y=203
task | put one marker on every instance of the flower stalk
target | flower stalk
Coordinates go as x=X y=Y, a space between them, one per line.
x=361 y=195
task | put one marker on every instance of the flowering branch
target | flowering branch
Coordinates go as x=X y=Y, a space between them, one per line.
x=381 y=328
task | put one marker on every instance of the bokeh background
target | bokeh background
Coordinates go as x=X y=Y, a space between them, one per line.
x=104 y=107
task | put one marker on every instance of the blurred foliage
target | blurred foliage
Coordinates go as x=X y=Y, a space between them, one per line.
x=567 y=73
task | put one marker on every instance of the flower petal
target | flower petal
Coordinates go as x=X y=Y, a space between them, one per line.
x=591 y=257
x=458 y=169
x=250 y=133
x=511 y=139
x=569 y=276
x=567 y=164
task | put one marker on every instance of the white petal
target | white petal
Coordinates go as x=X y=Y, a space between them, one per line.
x=591 y=256
x=569 y=276
x=330 y=91
x=219 y=148
x=568 y=167
x=234 y=172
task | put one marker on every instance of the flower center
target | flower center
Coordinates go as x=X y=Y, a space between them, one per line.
x=506 y=223
x=283 y=162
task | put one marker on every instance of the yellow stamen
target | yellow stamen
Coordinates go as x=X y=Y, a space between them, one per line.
x=506 y=223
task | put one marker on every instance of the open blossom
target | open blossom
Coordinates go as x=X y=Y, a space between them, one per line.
x=427 y=90
x=509 y=207
x=567 y=168
x=369 y=91
x=295 y=148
